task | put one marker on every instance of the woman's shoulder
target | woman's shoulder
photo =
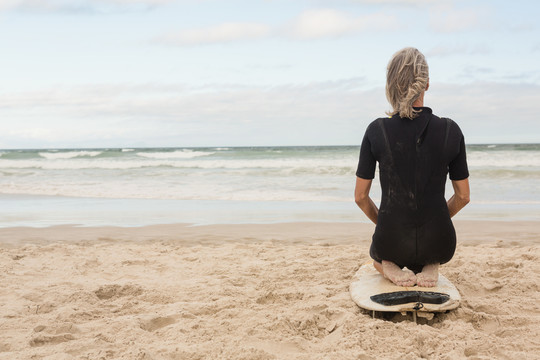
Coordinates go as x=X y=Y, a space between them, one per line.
x=371 y=126
x=376 y=124
x=453 y=133
x=450 y=123
x=375 y=128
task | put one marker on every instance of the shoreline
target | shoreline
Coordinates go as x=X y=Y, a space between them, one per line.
x=469 y=232
x=49 y=211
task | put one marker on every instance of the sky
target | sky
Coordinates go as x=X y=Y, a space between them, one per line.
x=190 y=73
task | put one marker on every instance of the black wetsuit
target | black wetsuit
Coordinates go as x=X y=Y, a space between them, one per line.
x=415 y=156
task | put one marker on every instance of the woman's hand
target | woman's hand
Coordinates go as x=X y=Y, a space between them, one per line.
x=362 y=199
x=461 y=196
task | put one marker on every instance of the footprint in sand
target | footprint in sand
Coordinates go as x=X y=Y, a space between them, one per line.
x=157 y=323
x=271 y=298
x=106 y=292
x=54 y=334
x=50 y=339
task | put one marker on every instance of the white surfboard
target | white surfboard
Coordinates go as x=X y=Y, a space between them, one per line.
x=369 y=283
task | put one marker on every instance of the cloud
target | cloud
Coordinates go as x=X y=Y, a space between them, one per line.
x=179 y=102
x=396 y=2
x=461 y=49
x=310 y=24
x=522 y=27
x=447 y=19
x=329 y=112
x=129 y=2
x=482 y=109
x=471 y=71
x=222 y=33
x=156 y=115
x=321 y=23
x=43 y=6
x=78 y=6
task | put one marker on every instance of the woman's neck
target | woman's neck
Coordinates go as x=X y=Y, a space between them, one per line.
x=420 y=101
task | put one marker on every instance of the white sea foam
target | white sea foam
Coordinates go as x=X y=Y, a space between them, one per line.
x=515 y=163
x=74 y=164
x=179 y=154
x=500 y=176
x=504 y=159
x=507 y=202
x=156 y=190
x=242 y=167
x=68 y=154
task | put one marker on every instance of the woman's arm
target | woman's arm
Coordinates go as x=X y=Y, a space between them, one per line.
x=362 y=199
x=461 y=196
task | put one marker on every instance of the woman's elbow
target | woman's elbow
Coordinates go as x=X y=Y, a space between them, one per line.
x=360 y=199
x=465 y=199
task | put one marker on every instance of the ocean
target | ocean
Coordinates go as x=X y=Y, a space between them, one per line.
x=217 y=185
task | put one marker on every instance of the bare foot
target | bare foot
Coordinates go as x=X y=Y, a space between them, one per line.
x=429 y=276
x=398 y=276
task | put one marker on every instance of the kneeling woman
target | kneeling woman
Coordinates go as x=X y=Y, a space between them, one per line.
x=416 y=151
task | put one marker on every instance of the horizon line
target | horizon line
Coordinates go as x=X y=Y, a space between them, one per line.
x=225 y=146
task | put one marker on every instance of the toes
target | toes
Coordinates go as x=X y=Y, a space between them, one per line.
x=399 y=277
x=403 y=282
x=406 y=282
x=426 y=283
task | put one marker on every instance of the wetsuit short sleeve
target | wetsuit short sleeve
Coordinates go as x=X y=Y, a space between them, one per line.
x=457 y=169
x=367 y=162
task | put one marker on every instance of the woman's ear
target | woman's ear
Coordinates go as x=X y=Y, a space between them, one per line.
x=427 y=86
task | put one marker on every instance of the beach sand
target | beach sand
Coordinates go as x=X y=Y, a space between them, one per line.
x=277 y=291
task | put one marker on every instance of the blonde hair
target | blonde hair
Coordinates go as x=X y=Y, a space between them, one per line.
x=407 y=76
